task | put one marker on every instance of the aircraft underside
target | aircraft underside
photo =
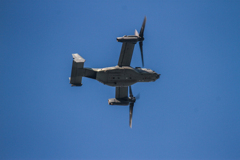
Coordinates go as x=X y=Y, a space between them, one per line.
x=121 y=76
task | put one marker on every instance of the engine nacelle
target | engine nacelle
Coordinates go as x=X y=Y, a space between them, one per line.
x=133 y=39
x=120 y=102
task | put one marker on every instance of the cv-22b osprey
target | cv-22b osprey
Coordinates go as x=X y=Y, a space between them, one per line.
x=121 y=76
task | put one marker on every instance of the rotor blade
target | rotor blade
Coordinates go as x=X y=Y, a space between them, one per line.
x=130 y=91
x=130 y=114
x=141 y=44
x=143 y=27
x=136 y=33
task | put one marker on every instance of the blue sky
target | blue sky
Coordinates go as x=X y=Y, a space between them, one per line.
x=191 y=112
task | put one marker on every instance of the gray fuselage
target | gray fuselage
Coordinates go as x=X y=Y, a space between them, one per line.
x=124 y=76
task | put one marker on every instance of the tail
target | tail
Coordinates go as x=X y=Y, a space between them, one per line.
x=77 y=70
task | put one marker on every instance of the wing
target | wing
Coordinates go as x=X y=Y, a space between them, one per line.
x=126 y=54
x=121 y=93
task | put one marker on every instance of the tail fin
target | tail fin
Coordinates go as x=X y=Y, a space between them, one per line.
x=77 y=70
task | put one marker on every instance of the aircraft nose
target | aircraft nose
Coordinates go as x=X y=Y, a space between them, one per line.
x=157 y=76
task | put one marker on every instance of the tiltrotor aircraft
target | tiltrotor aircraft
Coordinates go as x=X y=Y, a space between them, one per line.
x=121 y=76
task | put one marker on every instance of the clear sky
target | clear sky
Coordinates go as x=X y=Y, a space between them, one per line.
x=191 y=112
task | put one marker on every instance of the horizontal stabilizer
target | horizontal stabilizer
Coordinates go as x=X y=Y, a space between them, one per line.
x=77 y=70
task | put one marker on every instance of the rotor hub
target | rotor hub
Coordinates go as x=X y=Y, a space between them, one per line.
x=132 y=99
